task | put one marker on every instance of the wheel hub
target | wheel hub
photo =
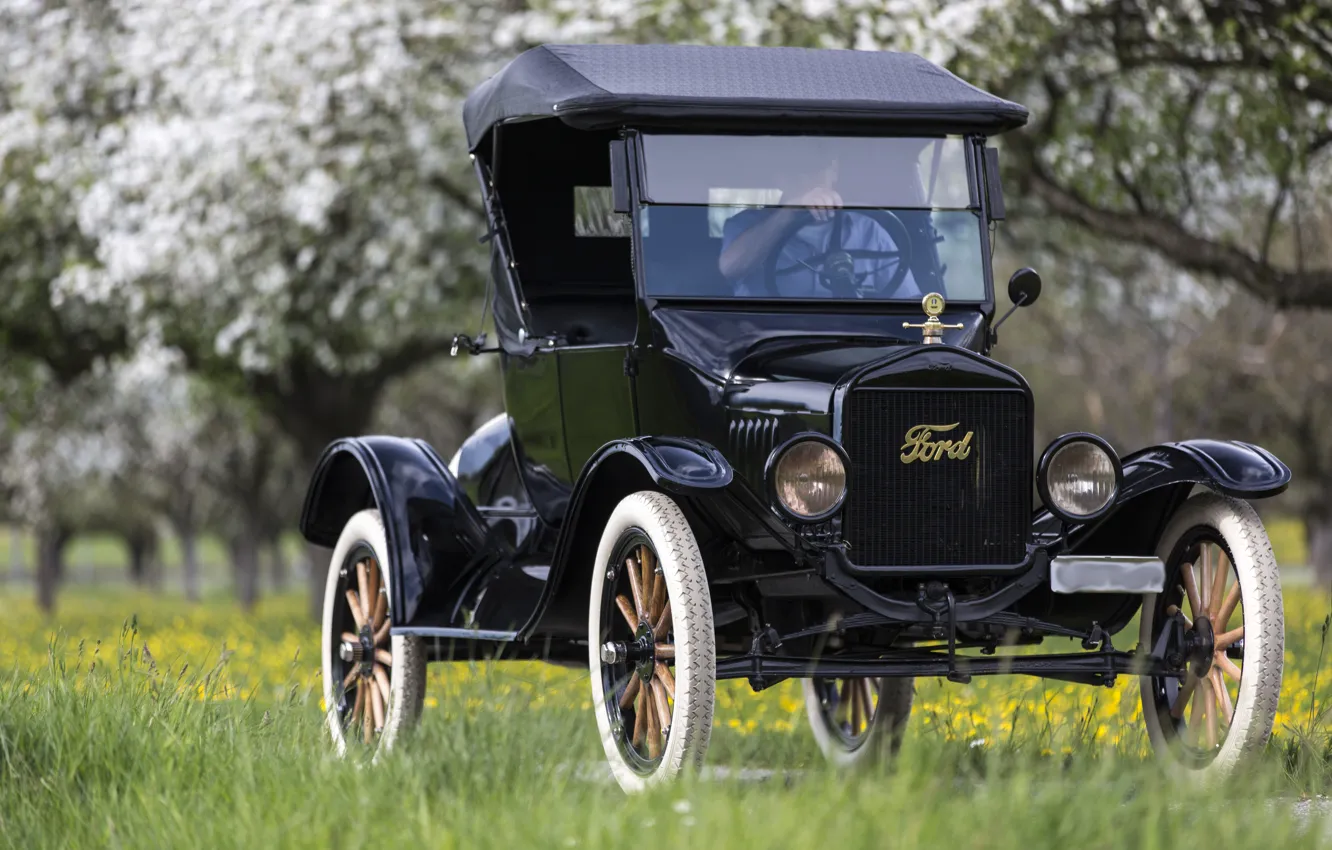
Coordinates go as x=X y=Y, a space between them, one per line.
x=1199 y=646
x=639 y=653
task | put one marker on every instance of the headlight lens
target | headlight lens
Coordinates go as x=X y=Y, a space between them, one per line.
x=1081 y=478
x=810 y=479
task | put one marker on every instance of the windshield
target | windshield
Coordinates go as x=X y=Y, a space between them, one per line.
x=810 y=217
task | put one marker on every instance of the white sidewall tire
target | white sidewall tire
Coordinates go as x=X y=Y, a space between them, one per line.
x=695 y=643
x=885 y=733
x=407 y=677
x=1264 y=632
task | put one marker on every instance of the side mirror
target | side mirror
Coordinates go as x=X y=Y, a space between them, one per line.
x=1024 y=287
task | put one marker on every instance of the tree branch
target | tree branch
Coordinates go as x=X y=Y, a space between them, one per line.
x=1189 y=251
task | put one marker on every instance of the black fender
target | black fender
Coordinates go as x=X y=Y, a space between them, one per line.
x=1157 y=481
x=689 y=470
x=428 y=518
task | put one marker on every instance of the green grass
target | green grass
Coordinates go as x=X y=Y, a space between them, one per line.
x=122 y=757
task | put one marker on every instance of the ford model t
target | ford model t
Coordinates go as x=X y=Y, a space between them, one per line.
x=743 y=308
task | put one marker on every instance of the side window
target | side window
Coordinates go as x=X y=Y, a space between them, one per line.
x=594 y=213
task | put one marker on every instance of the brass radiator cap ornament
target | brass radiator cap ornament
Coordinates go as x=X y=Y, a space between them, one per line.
x=932 y=329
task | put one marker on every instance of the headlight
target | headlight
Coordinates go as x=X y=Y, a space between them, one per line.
x=1079 y=477
x=808 y=478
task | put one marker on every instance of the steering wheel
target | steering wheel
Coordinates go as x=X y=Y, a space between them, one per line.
x=835 y=268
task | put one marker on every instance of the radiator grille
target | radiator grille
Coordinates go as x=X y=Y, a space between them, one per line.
x=975 y=510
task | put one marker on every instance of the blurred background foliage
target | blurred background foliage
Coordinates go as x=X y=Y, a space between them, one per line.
x=232 y=231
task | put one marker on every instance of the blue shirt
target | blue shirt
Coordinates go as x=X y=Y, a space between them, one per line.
x=859 y=233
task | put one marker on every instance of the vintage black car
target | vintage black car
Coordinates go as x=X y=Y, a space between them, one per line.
x=743 y=307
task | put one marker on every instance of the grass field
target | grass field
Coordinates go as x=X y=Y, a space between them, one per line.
x=213 y=738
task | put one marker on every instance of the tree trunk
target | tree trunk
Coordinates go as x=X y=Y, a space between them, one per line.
x=277 y=566
x=316 y=558
x=50 y=565
x=138 y=546
x=189 y=560
x=1318 y=532
x=245 y=569
x=15 y=553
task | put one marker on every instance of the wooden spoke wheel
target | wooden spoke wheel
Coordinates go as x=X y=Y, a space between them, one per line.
x=1222 y=587
x=651 y=644
x=374 y=683
x=857 y=721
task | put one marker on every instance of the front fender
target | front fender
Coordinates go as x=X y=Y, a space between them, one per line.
x=1158 y=479
x=428 y=519
x=1237 y=469
x=689 y=470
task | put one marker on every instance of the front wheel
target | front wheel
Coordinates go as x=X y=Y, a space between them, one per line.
x=374 y=682
x=858 y=722
x=651 y=646
x=1222 y=584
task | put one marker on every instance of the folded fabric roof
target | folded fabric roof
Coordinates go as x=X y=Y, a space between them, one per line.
x=745 y=88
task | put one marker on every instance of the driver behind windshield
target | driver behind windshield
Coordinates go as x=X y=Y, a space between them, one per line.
x=822 y=251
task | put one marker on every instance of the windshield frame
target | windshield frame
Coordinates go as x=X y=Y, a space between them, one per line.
x=980 y=206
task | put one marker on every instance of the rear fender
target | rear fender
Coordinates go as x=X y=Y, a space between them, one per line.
x=691 y=471
x=428 y=519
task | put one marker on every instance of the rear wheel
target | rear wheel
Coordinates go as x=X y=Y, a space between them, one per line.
x=858 y=721
x=1222 y=580
x=374 y=682
x=651 y=646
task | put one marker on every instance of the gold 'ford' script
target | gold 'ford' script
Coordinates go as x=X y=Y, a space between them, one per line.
x=919 y=445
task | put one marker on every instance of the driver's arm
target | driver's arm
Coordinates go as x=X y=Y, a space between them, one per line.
x=743 y=254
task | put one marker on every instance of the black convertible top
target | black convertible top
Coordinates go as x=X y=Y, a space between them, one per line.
x=604 y=85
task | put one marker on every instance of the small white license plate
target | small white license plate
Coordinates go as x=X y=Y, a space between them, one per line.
x=1106 y=574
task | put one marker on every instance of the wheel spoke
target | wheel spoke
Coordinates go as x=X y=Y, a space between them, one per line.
x=367 y=722
x=663 y=708
x=363 y=584
x=653 y=728
x=1222 y=569
x=666 y=679
x=627 y=609
x=665 y=650
x=1227 y=666
x=1211 y=700
x=355 y=602
x=377 y=705
x=1227 y=639
x=1182 y=698
x=1196 y=712
x=1205 y=580
x=382 y=633
x=649 y=585
x=868 y=695
x=1191 y=588
x=381 y=609
x=360 y=704
x=640 y=718
x=630 y=692
x=636 y=586
x=382 y=681
x=350 y=638
x=384 y=657
x=1227 y=707
x=843 y=707
x=372 y=573
x=663 y=624
x=658 y=594
x=350 y=677
x=1227 y=607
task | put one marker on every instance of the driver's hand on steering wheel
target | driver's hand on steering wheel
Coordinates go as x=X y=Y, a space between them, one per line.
x=821 y=202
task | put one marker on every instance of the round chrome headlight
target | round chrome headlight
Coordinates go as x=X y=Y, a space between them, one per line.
x=808 y=478
x=1079 y=477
